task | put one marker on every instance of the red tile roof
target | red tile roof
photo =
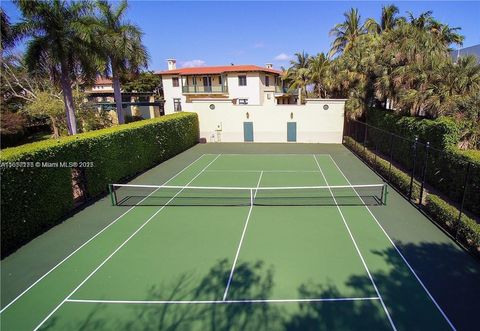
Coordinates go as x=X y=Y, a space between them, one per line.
x=217 y=70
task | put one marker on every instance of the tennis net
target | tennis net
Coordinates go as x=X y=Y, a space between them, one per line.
x=165 y=195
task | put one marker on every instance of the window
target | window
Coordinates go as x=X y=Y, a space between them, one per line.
x=219 y=80
x=267 y=81
x=243 y=101
x=175 y=82
x=242 y=80
x=177 y=105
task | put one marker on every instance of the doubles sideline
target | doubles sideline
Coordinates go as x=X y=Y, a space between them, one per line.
x=119 y=247
x=398 y=250
x=89 y=240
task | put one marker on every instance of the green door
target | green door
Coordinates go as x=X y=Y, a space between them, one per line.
x=291 y=131
x=248 y=131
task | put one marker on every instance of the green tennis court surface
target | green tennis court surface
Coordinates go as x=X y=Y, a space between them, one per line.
x=244 y=264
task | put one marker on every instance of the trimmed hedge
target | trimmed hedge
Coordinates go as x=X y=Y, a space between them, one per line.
x=34 y=199
x=441 y=133
x=467 y=231
x=446 y=164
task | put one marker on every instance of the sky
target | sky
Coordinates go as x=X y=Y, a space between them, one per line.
x=223 y=32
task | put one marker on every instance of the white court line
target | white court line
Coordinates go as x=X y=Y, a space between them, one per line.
x=266 y=171
x=358 y=250
x=89 y=240
x=241 y=238
x=119 y=247
x=197 y=302
x=399 y=253
x=264 y=154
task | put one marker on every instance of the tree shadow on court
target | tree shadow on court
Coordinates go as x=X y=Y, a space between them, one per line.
x=449 y=274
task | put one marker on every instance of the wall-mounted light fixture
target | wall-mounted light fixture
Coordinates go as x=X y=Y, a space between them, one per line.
x=248 y=115
x=291 y=116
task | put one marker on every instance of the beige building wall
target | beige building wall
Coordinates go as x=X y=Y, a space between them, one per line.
x=314 y=123
x=251 y=92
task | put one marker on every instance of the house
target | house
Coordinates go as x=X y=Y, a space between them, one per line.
x=138 y=104
x=241 y=84
x=249 y=103
x=472 y=50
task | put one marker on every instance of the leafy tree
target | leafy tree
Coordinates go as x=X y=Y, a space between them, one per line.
x=122 y=48
x=60 y=44
x=144 y=82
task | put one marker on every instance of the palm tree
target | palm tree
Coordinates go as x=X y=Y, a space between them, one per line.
x=123 y=50
x=317 y=73
x=7 y=37
x=60 y=43
x=445 y=34
x=422 y=21
x=388 y=21
x=298 y=73
x=347 y=32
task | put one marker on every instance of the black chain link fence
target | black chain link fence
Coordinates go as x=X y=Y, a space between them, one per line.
x=441 y=172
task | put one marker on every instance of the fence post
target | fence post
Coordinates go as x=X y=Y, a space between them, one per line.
x=413 y=168
x=427 y=146
x=365 y=139
x=391 y=157
x=465 y=184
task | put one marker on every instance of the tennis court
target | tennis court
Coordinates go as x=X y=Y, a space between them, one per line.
x=237 y=241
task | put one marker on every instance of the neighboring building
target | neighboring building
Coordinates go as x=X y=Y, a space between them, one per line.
x=241 y=84
x=472 y=50
x=134 y=103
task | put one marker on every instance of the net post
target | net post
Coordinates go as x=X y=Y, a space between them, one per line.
x=384 y=193
x=112 y=194
x=251 y=197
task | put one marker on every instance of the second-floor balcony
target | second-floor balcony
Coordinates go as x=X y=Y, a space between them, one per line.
x=205 y=89
x=285 y=90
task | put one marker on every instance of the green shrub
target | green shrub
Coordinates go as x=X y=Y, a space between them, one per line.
x=466 y=230
x=133 y=118
x=33 y=199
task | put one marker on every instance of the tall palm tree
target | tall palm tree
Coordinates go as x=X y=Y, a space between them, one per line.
x=60 y=43
x=422 y=21
x=388 y=20
x=123 y=50
x=298 y=73
x=317 y=73
x=347 y=32
x=445 y=34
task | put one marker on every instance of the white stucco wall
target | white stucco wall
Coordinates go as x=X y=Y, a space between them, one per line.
x=170 y=93
x=314 y=124
x=250 y=92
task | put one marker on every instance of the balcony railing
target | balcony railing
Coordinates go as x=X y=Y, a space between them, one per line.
x=280 y=89
x=204 y=89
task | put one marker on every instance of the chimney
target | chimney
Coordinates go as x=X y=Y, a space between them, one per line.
x=172 y=64
x=269 y=65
